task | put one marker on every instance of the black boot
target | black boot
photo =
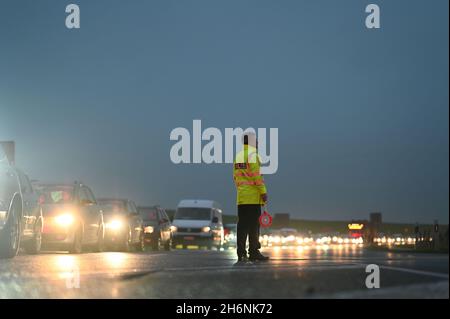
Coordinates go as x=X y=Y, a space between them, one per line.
x=257 y=256
x=242 y=258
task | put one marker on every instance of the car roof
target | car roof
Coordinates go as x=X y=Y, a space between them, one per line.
x=38 y=185
x=112 y=199
x=149 y=206
x=203 y=203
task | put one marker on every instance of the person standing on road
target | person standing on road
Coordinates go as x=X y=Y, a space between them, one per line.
x=251 y=195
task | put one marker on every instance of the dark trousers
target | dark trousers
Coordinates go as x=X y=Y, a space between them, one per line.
x=248 y=226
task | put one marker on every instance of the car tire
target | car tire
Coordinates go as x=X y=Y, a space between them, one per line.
x=77 y=246
x=140 y=246
x=100 y=246
x=126 y=246
x=157 y=245
x=10 y=235
x=168 y=245
x=33 y=246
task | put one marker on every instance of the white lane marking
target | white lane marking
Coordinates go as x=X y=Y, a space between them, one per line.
x=417 y=272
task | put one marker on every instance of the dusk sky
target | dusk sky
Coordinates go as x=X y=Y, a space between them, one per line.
x=363 y=115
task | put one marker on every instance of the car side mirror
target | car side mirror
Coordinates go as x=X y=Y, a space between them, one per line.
x=215 y=220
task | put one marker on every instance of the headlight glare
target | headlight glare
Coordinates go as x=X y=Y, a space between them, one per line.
x=115 y=224
x=206 y=229
x=64 y=219
x=148 y=229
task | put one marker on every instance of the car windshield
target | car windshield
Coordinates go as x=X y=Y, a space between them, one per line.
x=148 y=214
x=112 y=206
x=56 y=195
x=193 y=213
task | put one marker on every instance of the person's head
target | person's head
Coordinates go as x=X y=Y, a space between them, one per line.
x=249 y=138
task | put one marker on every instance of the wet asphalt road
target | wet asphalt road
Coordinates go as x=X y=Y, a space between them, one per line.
x=315 y=272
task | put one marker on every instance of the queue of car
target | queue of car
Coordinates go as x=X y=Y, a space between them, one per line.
x=38 y=216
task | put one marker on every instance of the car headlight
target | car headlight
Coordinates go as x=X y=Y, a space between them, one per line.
x=206 y=229
x=115 y=224
x=3 y=215
x=2 y=218
x=64 y=220
x=173 y=228
x=148 y=229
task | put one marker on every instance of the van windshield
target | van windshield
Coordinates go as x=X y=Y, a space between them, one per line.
x=193 y=213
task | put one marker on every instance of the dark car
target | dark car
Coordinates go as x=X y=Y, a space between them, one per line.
x=73 y=219
x=157 y=227
x=20 y=215
x=123 y=226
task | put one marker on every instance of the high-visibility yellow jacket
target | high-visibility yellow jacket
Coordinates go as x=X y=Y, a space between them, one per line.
x=247 y=178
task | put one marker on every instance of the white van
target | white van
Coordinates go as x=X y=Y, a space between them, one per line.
x=198 y=222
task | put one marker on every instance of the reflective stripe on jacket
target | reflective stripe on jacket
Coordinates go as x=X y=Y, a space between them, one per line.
x=247 y=178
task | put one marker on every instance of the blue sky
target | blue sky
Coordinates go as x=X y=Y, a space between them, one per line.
x=362 y=114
